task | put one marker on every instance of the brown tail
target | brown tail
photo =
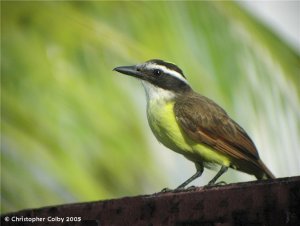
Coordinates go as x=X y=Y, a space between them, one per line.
x=266 y=173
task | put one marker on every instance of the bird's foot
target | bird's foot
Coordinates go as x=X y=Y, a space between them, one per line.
x=165 y=190
x=221 y=183
x=191 y=188
x=179 y=189
x=212 y=184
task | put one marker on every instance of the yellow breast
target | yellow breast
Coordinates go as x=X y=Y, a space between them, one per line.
x=163 y=123
x=164 y=126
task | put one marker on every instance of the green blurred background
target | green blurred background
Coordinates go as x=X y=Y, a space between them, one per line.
x=73 y=130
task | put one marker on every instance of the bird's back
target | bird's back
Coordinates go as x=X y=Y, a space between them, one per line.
x=207 y=123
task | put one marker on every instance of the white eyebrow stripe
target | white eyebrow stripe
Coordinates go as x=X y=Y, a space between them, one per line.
x=167 y=71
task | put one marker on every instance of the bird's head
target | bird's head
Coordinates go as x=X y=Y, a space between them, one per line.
x=158 y=73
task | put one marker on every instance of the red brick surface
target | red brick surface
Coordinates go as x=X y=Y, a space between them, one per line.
x=264 y=203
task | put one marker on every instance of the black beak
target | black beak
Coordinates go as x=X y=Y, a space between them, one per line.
x=129 y=70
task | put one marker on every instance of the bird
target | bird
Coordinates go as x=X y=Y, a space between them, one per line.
x=193 y=125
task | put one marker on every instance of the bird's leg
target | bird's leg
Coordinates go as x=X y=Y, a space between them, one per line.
x=221 y=171
x=195 y=176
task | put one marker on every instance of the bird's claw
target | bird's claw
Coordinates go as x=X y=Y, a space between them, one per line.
x=221 y=183
x=191 y=188
x=166 y=190
x=211 y=184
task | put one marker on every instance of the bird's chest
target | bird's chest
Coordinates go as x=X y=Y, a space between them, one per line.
x=164 y=125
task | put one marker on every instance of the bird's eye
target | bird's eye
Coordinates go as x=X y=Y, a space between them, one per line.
x=157 y=72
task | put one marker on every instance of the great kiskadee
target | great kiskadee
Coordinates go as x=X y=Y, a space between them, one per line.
x=193 y=125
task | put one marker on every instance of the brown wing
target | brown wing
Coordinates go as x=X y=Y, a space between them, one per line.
x=205 y=122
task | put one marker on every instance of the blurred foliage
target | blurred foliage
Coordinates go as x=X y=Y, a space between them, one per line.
x=71 y=130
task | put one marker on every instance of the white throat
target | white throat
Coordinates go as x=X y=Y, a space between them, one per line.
x=157 y=94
